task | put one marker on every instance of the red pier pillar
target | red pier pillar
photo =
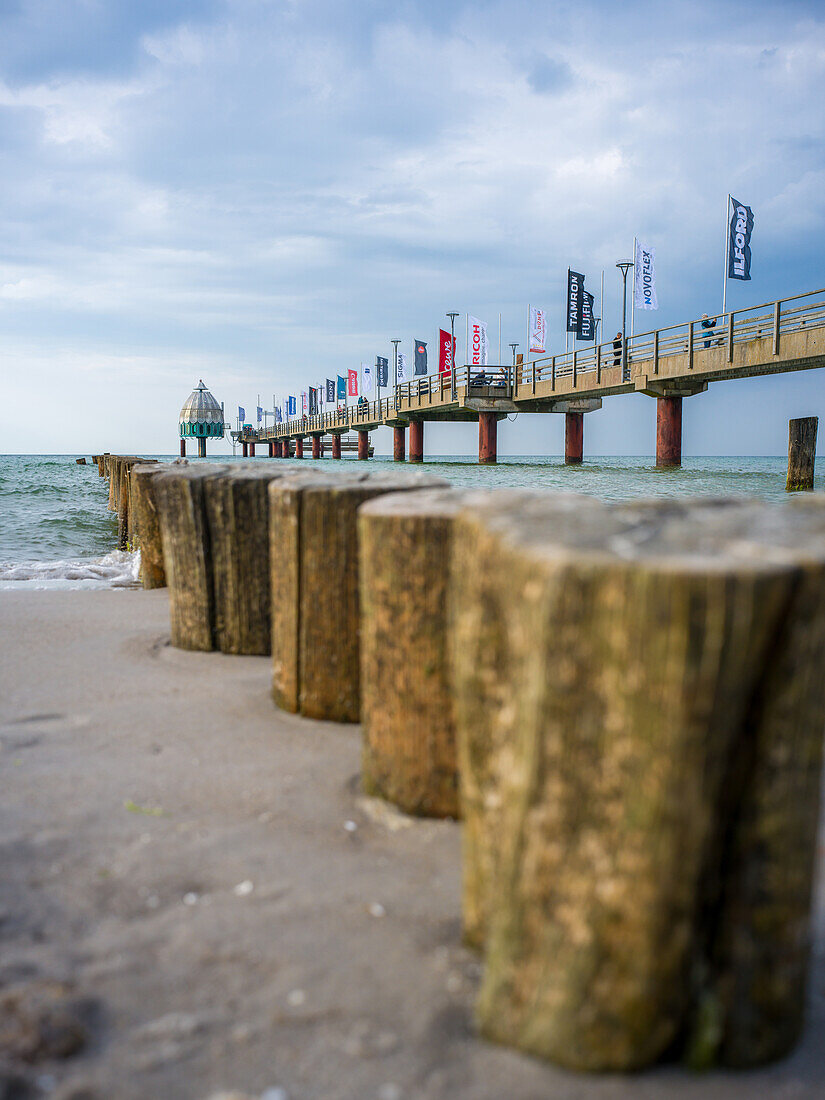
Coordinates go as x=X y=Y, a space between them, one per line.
x=272 y=448
x=285 y=449
x=573 y=438
x=416 y=441
x=251 y=450
x=363 y=444
x=399 y=444
x=183 y=448
x=336 y=446
x=487 y=438
x=316 y=446
x=245 y=450
x=668 y=431
x=299 y=447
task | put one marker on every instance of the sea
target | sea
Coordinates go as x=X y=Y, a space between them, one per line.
x=56 y=532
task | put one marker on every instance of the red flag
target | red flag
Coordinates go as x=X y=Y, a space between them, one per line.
x=352 y=383
x=446 y=352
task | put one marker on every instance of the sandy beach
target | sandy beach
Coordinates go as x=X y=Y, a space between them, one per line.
x=193 y=881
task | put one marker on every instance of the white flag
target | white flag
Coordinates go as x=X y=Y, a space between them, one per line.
x=538 y=329
x=366 y=374
x=644 y=276
x=477 y=342
x=401 y=369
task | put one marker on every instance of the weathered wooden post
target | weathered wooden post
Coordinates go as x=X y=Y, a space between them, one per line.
x=409 y=753
x=639 y=707
x=187 y=553
x=146 y=527
x=801 y=453
x=314 y=582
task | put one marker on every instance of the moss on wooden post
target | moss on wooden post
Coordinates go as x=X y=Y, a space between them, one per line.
x=801 y=453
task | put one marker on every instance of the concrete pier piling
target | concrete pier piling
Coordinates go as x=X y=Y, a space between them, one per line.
x=363 y=445
x=336 y=445
x=487 y=438
x=801 y=453
x=416 y=441
x=399 y=443
x=573 y=438
x=669 y=431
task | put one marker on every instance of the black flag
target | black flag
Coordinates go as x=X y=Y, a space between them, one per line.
x=575 y=293
x=739 y=249
x=313 y=401
x=586 y=326
x=330 y=392
x=420 y=357
x=382 y=370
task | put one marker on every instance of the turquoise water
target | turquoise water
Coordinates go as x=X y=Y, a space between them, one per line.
x=55 y=529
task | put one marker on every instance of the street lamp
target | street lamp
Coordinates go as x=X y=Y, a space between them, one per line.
x=624 y=266
x=514 y=346
x=452 y=317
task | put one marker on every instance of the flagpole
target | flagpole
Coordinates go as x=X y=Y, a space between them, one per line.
x=601 y=306
x=467 y=344
x=633 y=299
x=526 y=358
x=727 y=257
x=566 y=314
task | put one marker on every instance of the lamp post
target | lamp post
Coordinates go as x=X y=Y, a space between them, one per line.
x=514 y=346
x=395 y=344
x=624 y=266
x=453 y=393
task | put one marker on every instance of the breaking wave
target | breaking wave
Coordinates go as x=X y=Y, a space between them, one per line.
x=118 y=569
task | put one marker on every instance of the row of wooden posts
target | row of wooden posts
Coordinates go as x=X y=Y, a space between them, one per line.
x=623 y=703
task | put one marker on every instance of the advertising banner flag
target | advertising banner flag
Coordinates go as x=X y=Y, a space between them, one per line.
x=420 y=357
x=401 y=367
x=446 y=352
x=260 y=413
x=538 y=330
x=366 y=378
x=313 y=401
x=587 y=327
x=575 y=292
x=303 y=402
x=330 y=392
x=352 y=383
x=382 y=370
x=286 y=408
x=478 y=342
x=241 y=413
x=342 y=387
x=739 y=247
x=644 y=277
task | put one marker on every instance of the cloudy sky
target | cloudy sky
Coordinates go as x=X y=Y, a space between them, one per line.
x=262 y=193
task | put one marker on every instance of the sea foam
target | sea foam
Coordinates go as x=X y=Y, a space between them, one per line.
x=118 y=569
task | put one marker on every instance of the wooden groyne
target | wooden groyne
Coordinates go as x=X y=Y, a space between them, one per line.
x=623 y=703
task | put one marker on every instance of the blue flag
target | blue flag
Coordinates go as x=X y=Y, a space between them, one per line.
x=260 y=414
x=293 y=406
x=342 y=387
x=241 y=413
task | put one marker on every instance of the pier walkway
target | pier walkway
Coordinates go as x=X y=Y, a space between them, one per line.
x=668 y=363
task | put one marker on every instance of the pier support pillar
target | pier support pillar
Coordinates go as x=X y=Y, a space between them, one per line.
x=416 y=441
x=299 y=447
x=251 y=450
x=363 y=444
x=316 y=446
x=272 y=448
x=573 y=438
x=399 y=444
x=285 y=450
x=668 y=431
x=487 y=438
x=245 y=450
x=183 y=448
x=201 y=446
x=336 y=446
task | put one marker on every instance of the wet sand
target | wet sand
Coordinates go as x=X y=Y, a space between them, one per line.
x=195 y=878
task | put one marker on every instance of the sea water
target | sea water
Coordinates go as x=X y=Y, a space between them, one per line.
x=56 y=532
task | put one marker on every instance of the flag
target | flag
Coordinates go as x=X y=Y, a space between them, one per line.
x=587 y=327
x=293 y=405
x=286 y=408
x=446 y=352
x=575 y=290
x=278 y=417
x=352 y=383
x=330 y=392
x=644 y=277
x=303 y=402
x=478 y=342
x=241 y=413
x=260 y=414
x=739 y=248
x=420 y=357
x=538 y=330
x=366 y=375
x=382 y=370
x=313 y=401
x=342 y=387
x=401 y=367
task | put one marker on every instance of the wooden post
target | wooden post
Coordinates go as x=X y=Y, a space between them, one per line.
x=187 y=553
x=399 y=443
x=416 y=441
x=573 y=438
x=668 y=431
x=801 y=453
x=363 y=444
x=639 y=701
x=314 y=582
x=143 y=510
x=409 y=753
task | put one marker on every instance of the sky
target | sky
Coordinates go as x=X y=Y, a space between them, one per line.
x=263 y=193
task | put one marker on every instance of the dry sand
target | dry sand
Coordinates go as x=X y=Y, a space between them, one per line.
x=245 y=938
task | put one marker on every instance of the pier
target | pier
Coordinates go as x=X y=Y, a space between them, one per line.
x=668 y=364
